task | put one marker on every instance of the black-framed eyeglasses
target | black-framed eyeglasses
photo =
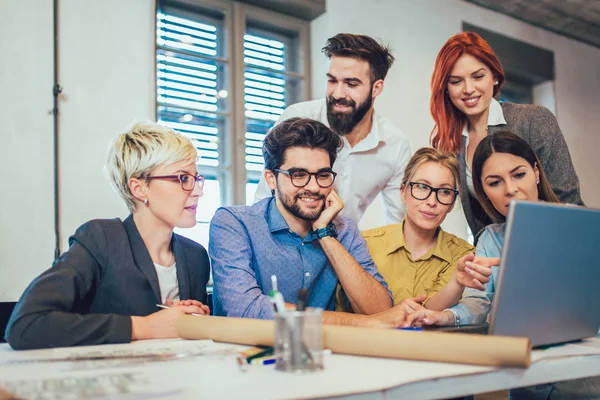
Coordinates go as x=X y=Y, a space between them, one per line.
x=301 y=177
x=187 y=181
x=422 y=191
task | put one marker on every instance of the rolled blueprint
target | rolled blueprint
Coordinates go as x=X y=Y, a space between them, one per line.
x=498 y=351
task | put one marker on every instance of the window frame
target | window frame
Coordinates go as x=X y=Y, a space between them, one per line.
x=236 y=17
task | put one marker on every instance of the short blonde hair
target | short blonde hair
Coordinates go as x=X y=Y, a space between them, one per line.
x=429 y=154
x=135 y=153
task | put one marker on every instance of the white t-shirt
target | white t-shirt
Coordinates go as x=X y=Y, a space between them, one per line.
x=374 y=165
x=167 y=281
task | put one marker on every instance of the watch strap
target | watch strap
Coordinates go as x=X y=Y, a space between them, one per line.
x=317 y=234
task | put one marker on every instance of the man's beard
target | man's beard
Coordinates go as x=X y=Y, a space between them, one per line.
x=344 y=122
x=294 y=208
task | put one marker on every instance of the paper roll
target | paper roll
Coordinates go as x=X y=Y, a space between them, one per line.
x=4 y=395
x=498 y=351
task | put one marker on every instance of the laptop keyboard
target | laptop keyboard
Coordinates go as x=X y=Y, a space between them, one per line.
x=482 y=329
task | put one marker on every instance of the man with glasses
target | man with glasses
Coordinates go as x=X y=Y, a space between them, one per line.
x=296 y=235
x=374 y=152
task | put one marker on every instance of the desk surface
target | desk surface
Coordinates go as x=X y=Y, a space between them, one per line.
x=209 y=370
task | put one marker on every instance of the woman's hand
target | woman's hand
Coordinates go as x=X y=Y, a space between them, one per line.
x=474 y=272
x=427 y=317
x=414 y=304
x=180 y=303
x=395 y=317
x=161 y=324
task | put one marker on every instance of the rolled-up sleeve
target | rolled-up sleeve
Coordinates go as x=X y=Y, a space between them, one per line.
x=236 y=289
x=360 y=251
x=475 y=305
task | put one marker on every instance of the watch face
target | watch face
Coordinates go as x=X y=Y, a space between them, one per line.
x=332 y=230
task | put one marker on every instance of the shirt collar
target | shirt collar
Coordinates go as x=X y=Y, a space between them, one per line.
x=275 y=220
x=440 y=250
x=396 y=238
x=373 y=138
x=495 y=117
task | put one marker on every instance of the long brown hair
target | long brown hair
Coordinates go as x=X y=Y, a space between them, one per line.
x=507 y=142
x=449 y=121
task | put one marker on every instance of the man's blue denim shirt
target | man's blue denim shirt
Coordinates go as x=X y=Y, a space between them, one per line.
x=248 y=244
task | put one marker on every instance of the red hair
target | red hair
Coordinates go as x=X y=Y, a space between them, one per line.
x=449 y=121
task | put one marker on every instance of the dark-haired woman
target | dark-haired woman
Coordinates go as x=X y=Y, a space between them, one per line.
x=505 y=168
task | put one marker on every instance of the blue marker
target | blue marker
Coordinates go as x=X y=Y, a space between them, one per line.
x=411 y=328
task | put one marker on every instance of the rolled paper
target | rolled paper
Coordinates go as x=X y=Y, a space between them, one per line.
x=489 y=350
x=4 y=395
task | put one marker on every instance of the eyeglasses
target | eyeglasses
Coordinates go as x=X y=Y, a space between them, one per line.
x=422 y=191
x=187 y=181
x=301 y=177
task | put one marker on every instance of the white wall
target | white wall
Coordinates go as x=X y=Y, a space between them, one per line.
x=107 y=74
x=107 y=71
x=416 y=30
x=26 y=201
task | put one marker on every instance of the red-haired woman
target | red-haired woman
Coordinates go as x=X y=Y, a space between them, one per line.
x=466 y=78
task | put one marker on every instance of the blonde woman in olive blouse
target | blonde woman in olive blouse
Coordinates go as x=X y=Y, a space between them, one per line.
x=416 y=257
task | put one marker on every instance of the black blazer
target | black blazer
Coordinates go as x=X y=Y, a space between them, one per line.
x=106 y=276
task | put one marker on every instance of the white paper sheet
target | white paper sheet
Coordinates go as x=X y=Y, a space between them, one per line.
x=585 y=347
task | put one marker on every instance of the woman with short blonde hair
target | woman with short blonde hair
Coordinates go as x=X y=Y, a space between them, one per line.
x=106 y=287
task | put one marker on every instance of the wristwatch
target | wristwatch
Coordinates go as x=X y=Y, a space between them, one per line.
x=317 y=234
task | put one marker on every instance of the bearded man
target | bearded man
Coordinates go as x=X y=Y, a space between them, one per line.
x=298 y=236
x=374 y=152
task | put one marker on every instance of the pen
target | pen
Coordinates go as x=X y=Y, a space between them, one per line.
x=268 y=360
x=163 y=306
x=411 y=328
x=302 y=300
x=268 y=352
x=276 y=297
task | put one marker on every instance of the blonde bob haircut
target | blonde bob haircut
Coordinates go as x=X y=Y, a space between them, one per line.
x=146 y=146
x=429 y=154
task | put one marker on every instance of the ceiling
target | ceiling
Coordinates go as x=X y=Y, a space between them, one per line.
x=575 y=19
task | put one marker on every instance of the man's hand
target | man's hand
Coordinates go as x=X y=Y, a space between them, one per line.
x=161 y=324
x=474 y=272
x=185 y=303
x=333 y=206
x=429 y=317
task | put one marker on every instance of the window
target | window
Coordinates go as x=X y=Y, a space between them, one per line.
x=225 y=89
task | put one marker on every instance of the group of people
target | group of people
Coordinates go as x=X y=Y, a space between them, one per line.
x=325 y=162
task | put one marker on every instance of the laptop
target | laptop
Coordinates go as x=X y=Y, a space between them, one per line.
x=548 y=283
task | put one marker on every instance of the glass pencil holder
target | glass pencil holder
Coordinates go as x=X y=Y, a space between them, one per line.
x=299 y=340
